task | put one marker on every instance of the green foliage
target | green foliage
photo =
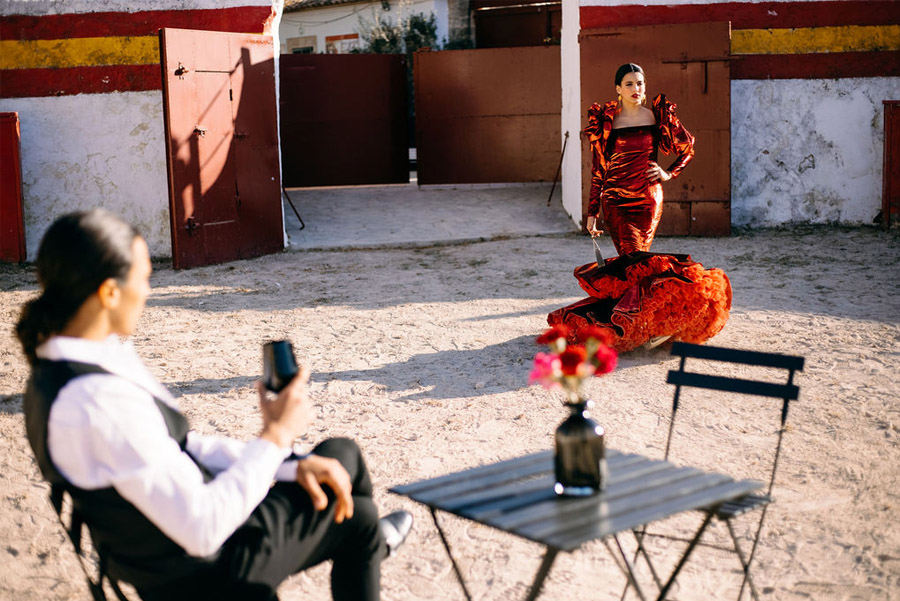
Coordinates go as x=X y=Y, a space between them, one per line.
x=383 y=36
x=407 y=36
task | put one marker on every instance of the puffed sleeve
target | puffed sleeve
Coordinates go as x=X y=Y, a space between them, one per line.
x=597 y=133
x=595 y=117
x=593 y=132
x=674 y=138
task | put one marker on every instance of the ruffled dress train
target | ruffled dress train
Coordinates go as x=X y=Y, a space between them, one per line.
x=642 y=296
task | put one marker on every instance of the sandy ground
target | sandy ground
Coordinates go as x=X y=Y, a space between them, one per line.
x=422 y=356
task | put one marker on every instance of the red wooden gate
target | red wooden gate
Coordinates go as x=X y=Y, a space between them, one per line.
x=689 y=64
x=505 y=23
x=12 y=230
x=343 y=119
x=220 y=113
x=488 y=115
x=890 y=202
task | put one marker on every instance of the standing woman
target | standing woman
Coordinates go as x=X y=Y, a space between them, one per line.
x=643 y=297
x=177 y=514
x=626 y=180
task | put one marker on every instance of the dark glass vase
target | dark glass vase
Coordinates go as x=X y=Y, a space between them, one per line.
x=580 y=459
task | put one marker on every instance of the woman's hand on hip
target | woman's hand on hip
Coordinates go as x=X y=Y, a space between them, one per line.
x=314 y=471
x=655 y=173
x=289 y=414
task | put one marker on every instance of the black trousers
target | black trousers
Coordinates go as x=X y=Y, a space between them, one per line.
x=285 y=535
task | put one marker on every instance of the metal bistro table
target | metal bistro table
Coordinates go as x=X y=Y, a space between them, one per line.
x=516 y=496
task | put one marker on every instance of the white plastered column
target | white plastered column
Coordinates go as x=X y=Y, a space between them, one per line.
x=570 y=80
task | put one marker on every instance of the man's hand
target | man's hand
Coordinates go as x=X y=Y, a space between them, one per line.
x=287 y=415
x=313 y=471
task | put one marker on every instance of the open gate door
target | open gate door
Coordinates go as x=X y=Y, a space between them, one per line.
x=328 y=100
x=222 y=151
x=689 y=64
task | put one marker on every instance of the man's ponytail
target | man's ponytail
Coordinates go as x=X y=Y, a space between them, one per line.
x=78 y=253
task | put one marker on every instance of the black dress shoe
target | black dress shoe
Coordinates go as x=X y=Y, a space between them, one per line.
x=395 y=527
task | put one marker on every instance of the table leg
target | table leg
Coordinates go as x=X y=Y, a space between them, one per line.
x=684 y=558
x=542 y=573
x=628 y=570
x=642 y=550
x=456 y=569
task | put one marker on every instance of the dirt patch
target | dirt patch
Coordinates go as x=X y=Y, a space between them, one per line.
x=422 y=356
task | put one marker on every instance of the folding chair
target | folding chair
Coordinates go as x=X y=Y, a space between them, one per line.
x=74 y=531
x=788 y=391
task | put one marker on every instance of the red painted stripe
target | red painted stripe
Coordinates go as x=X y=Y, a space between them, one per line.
x=816 y=66
x=243 y=19
x=30 y=83
x=748 y=15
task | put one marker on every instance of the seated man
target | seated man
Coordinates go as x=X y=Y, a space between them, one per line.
x=177 y=514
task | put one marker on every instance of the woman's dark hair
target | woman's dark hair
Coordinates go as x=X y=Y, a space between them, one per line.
x=78 y=253
x=625 y=69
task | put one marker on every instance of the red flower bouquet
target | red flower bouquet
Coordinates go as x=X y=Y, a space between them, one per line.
x=569 y=365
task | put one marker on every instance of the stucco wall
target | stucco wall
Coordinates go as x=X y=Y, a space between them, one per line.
x=99 y=142
x=570 y=84
x=91 y=150
x=807 y=150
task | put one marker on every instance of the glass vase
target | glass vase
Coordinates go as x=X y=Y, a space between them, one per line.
x=580 y=460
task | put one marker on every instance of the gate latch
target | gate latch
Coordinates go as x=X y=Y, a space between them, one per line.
x=181 y=70
x=199 y=129
x=191 y=225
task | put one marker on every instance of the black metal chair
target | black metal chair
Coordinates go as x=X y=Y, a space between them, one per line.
x=787 y=392
x=74 y=530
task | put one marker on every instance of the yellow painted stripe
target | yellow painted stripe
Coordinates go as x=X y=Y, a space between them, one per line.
x=810 y=40
x=79 y=52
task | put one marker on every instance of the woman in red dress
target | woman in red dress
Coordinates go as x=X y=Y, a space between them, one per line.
x=643 y=297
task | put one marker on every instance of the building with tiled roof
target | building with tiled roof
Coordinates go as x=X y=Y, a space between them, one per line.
x=333 y=26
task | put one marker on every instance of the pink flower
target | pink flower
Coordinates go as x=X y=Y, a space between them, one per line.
x=546 y=371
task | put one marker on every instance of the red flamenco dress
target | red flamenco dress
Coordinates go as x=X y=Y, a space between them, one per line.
x=642 y=297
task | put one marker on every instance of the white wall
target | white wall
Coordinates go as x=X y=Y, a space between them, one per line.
x=808 y=150
x=91 y=150
x=344 y=19
x=88 y=150
x=570 y=76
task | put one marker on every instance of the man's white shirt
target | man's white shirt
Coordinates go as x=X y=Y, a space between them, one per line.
x=106 y=430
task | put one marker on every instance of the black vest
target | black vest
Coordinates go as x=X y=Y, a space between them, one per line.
x=137 y=552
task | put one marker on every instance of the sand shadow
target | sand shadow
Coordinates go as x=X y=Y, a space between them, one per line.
x=454 y=374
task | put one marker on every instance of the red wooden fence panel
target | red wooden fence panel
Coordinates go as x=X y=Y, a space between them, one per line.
x=890 y=202
x=12 y=231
